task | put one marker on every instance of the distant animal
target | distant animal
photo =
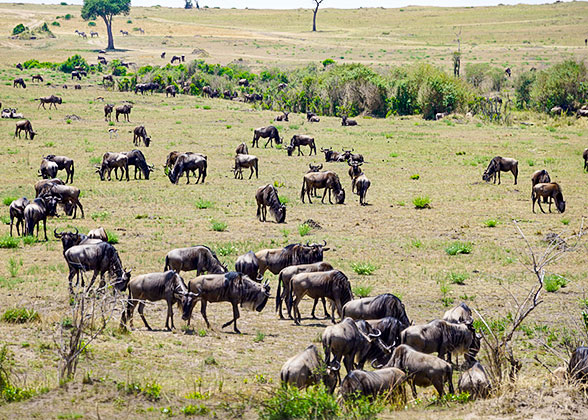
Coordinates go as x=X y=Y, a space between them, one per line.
x=276 y=259
x=301 y=140
x=332 y=156
x=51 y=100
x=170 y=90
x=108 y=78
x=243 y=82
x=16 y=211
x=48 y=169
x=25 y=126
x=349 y=156
x=37 y=211
x=108 y=112
x=540 y=177
x=359 y=183
x=270 y=132
x=556 y=110
x=77 y=87
x=309 y=115
x=371 y=384
x=248 y=265
x=98 y=233
x=327 y=180
x=137 y=159
x=267 y=196
x=461 y=314
x=578 y=365
x=347 y=122
x=252 y=97
x=141 y=31
x=124 y=33
x=585 y=156
x=233 y=287
x=113 y=132
x=139 y=133
x=93 y=34
x=242 y=149
x=199 y=258
x=507 y=71
x=44 y=185
x=113 y=160
x=475 y=382
x=245 y=161
x=64 y=86
x=308 y=368
x=441 y=115
x=550 y=190
x=125 y=110
x=282 y=86
x=500 y=164
x=19 y=66
x=314 y=119
x=176 y=58
x=186 y=163
x=381 y=306
x=37 y=77
x=227 y=94
x=163 y=54
x=19 y=82
x=76 y=74
x=283 y=117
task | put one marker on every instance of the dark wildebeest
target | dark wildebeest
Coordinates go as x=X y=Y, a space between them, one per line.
x=113 y=160
x=186 y=163
x=108 y=112
x=248 y=265
x=45 y=185
x=171 y=90
x=16 y=211
x=371 y=384
x=283 y=117
x=68 y=196
x=77 y=87
x=585 y=156
x=243 y=82
x=267 y=196
x=461 y=314
x=77 y=74
x=422 y=369
x=444 y=338
x=51 y=100
x=380 y=351
x=37 y=77
x=381 y=306
x=578 y=365
x=349 y=156
x=48 y=169
x=37 y=211
x=359 y=182
x=332 y=285
x=19 y=82
x=19 y=66
x=309 y=115
x=25 y=126
x=540 y=177
x=227 y=94
x=308 y=368
x=242 y=149
x=176 y=58
x=301 y=140
x=210 y=92
x=199 y=258
x=347 y=122
x=475 y=382
x=101 y=258
x=500 y=164
x=314 y=119
x=139 y=133
x=98 y=233
x=172 y=157
x=63 y=162
x=276 y=259
x=233 y=287
x=108 y=78
x=285 y=280
x=507 y=71
x=125 y=110
x=265 y=132
x=246 y=161
x=168 y=286
x=332 y=156
x=93 y=34
x=550 y=191
x=137 y=159
x=327 y=180
x=70 y=239
x=163 y=54
x=556 y=110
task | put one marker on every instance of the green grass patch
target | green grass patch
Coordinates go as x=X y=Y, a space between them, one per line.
x=29 y=240
x=100 y=215
x=8 y=241
x=218 y=226
x=226 y=249
x=490 y=223
x=423 y=202
x=259 y=337
x=415 y=177
x=112 y=237
x=20 y=315
x=565 y=221
x=288 y=402
x=203 y=204
x=457 y=278
x=362 y=291
x=283 y=199
x=363 y=268
x=459 y=247
x=553 y=282
x=304 y=229
x=8 y=200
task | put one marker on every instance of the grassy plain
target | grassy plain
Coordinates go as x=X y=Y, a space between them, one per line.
x=407 y=246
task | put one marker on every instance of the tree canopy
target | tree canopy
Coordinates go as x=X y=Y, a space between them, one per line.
x=105 y=8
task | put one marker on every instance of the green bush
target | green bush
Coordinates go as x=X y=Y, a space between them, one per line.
x=327 y=62
x=7 y=241
x=491 y=222
x=292 y=403
x=112 y=237
x=476 y=73
x=55 y=23
x=218 y=226
x=20 y=315
x=523 y=86
x=363 y=268
x=553 y=282
x=422 y=202
x=459 y=247
x=457 y=278
x=91 y=23
x=304 y=229
x=203 y=204
x=76 y=60
x=564 y=84
x=9 y=199
x=362 y=291
x=19 y=29
x=497 y=79
x=68 y=16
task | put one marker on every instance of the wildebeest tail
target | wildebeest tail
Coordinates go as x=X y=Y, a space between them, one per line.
x=166 y=267
x=279 y=290
x=302 y=191
x=30 y=227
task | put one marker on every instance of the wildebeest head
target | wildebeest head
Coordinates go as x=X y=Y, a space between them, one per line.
x=315 y=168
x=147 y=141
x=331 y=376
x=281 y=213
x=121 y=283
x=50 y=204
x=340 y=196
x=255 y=295
x=290 y=149
x=68 y=239
x=188 y=304
x=560 y=203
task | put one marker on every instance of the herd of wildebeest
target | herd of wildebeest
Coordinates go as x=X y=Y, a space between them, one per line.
x=376 y=330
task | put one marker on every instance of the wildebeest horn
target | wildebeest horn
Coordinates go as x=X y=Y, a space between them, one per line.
x=379 y=366
x=374 y=334
x=324 y=243
x=336 y=365
x=56 y=234
x=77 y=231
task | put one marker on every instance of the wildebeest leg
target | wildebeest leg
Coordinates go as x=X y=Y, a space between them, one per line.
x=313 y=308
x=203 y=312
x=170 y=315
x=324 y=195
x=539 y=202
x=187 y=176
x=333 y=311
x=141 y=307
x=515 y=172
x=11 y=221
x=72 y=273
x=299 y=151
x=297 y=316
x=413 y=387
x=256 y=171
x=269 y=141
x=499 y=177
x=330 y=202
x=128 y=314
x=251 y=174
x=234 y=320
x=439 y=387
x=550 y=200
x=91 y=281
x=77 y=203
x=45 y=226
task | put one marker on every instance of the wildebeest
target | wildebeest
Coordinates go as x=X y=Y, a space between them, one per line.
x=540 y=177
x=48 y=169
x=380 y=350
x=186 y=163
x=172 y=157
x=210 y=92
x=270 y=132
x=327 y=180
x=101 y=258
x=19 y=66
x=314 y=118
x=45 y=185
x=36 y=212
x=171 y=90
x=422 y=369
x=283 y=117
x=137 y=159
x=475 y=382
x=51 y=100
x=245 y=161
x=301 y=140
x=359 y=182
x=200 y=258
x=309 y=115
x=37 y=77
x=381 y=306
x=347 y=122
x=113 y=160
x=556 y=110
x=285 y=280
x=176 y=58
x=308 y=368
x=242 y=149
x=267 y=196
x=585 y=156
x=243 y=82
x=578 y=365
x=461 y=314
x=500 y=164
x=144 y=87
x=550 y=192
x=70 y=239
x=93 y=34
x=68 y=196
x=252 y=97
x=108 y=78
x=443 y=337
x=108 y=112
x=125 y=110
x=248 y=265
x=168 y=286
x=77 y=74
x=233 y=287
x=124 y=33
x=25 y=126
x=139 y=133
x=98 y=233
x=227 y=94
x=276 y=259
x=63 y=162
x=19 y=82
x=16 y=211
x=332 y=156
x=332 y=285
x=349 y=156
x=371 y=384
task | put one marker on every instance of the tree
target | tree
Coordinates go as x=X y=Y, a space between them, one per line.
x=106 y=9
x=318 y=3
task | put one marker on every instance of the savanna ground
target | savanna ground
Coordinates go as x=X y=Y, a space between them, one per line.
x=407 y=246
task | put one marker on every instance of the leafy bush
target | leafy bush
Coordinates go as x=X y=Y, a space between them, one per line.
x=55 y=23
x=497 y=79
x=72 y=62
x=457 y=278
x=363 y=268
x=7 y=241
x=415 y=177
x=564 y=84
x=259 y=337
x=476 y=73
x=91 y=23
x=195 y=410
x=68 y=16
x=304 y=229
x=112 y=237
x=20 y=315
x=203 y=204
x=553 y=282
x=422 y=202
x=292 y=403
x=327 y=62
x=459 y=247
x=523 y=85
x=362 y=291
x=19 y=29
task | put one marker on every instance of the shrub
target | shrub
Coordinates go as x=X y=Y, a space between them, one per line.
x=55 y=23
x=75 y=60
x=292 y=403
x=457 y=278
x=415 y=176
x=195 y=410
x=476 y=73
x=218 y=226
x=362 y=291
x=497 y=79
x=19 y=29
x=459 y=247
x=304 y=229
x=7 y=241
x=8 y=200
x=91 y=23
x=20 y=315
x=491 y=222
x=327 y=62
x=203 y=204
x=259 y=337
x=422 y=202
x=553 y=282
x=565 y=221
x=363 y=268
x=523 y=85
x=564 y=84
x=68 y=16
x=112 y=237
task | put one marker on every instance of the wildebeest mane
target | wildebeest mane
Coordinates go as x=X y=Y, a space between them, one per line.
x=386 y=305
x=274 y=203
x=453 y=335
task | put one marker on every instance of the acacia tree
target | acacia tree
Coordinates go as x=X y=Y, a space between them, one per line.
x=318 y=3
x=106 y=9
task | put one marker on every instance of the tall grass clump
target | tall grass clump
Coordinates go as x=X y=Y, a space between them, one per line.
x=203 y=204
x=20 y=315
x=218 y=226
x=363 y=268
x=7 y=241
x=553 y=282
x=304 y=229
x=459 y=247
x=423 y=202
x=8 y=200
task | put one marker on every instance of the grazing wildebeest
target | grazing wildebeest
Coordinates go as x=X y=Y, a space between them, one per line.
x=246 y=161
x=77 y=74
x=390 y=329
x=77 y=87
x=19 y=66
x=63 y=162
x=227 y=94
x=176 y=58
x=108 y=78
x=51 y=100
x=309 y=115
x=243 y=82
x=301 y=140
x=283 y=117
x=37 y=211
x=125 y=110
x=98 y=233
x=44 y=185
x=314 y=119
x=141 y=134
x=68 y=196
x=242 y=149
x=172 y=157
x=508 y=72
x=267 y=196
x=308 y=368
x=48 y=169
x=25 y=126
x=550 y=190
x=233 y=287
x=113 y=160
x=108 y=112
x=16 y=211
x=37 y=77
x=99 y=257
x=168 y=286
x=124 y=33
x=500 y=164
x=578 y=365
x=200 y=258
x=210 y=92
x=332 y=285
x=371 y=384
x=475 y=382
x=422 y=369
x=170 y=90
x=443 y=337
x=137 y=159
x=265 y=132
x=381 y=306
x=347 y=122
x=585 y=156
x=332 y=156
x=163 y=54
x=461 y=314
x=186 y=163
x=94 y=34
x=276 y=259
x=327 y=180
x=285 y=280
x=19 y=82
x=540 y=177
x=248 y=265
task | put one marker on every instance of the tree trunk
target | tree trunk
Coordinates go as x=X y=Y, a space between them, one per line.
x=314 y=18
x=108 y=22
